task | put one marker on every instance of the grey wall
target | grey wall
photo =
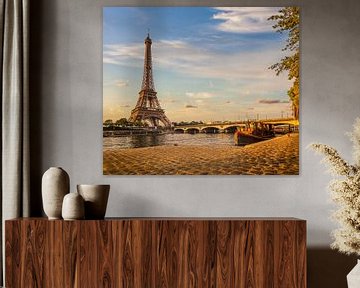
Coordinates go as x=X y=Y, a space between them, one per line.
x=66 y=92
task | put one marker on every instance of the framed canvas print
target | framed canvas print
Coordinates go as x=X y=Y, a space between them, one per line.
x=201 y=90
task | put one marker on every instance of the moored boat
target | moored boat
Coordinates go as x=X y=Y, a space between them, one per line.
x=253 y=132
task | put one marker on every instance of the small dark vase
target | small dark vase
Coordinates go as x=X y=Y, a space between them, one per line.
x=96 y=198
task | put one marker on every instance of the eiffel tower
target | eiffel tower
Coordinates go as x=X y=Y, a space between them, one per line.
x=148 y=107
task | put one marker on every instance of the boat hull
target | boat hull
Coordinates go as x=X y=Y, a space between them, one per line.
x=242 y=139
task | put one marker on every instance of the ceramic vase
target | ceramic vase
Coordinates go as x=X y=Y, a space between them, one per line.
x=96 y=198
x=353 y=278
x=73 y=207
x=54 y=186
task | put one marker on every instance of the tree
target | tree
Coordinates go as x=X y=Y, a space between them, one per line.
x=108 y=122
x=122 y=122
x=138 y=123
x=288 y=20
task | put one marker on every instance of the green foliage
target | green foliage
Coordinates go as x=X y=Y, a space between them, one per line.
x=108 y=122
x=122 y=122
x=288 y=20
x=139 y=123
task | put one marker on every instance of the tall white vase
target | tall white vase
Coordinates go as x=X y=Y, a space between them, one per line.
x=55 y=185
x=353 y=278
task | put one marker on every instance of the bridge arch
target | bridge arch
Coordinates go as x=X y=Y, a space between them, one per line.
x=231 y=129
x=192 y=130
x=210 y=130
x=179 y=130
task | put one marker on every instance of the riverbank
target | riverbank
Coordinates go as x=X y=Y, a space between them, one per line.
x=278 y=156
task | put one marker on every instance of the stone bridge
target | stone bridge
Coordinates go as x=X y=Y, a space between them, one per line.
x=229 y=127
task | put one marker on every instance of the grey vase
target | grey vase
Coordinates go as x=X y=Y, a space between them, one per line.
x=73 y=207
x=96 y=198
x=55 y=185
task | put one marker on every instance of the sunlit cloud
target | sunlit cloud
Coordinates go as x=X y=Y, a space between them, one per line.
x=272 y=101
x=199 y=95
x=113 y=111
x=120 y=54
x=167 y=100
x=175 y=44
x=122 y=83
x=245 y=73
x=245 y=19
x=117 y=83
x=184 y=58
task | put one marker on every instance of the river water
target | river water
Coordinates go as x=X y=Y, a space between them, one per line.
x=136 y=141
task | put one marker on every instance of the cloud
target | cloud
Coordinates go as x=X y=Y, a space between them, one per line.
x=199 y=95
x=245 y=19
x=192 y=60
x=175 y=44
x=122 y=83
x=244 y=72
x=117 y=83
x=272 y=101
x=190 y=106
x=115 y=111
x=120 y=54
x=167 y=100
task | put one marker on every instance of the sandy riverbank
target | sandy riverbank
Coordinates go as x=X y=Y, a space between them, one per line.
x=279 y=156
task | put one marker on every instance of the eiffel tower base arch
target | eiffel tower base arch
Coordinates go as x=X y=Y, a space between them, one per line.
x=155 y=118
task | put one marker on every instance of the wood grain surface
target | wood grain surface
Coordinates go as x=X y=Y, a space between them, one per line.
x=157 y=253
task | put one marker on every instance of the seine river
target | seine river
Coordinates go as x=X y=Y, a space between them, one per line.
x=137 y=141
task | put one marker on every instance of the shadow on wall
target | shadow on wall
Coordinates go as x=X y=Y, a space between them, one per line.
x=37 y=11
x=328 y=268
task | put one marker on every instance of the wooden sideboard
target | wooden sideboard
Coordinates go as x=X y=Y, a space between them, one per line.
x=156 y=252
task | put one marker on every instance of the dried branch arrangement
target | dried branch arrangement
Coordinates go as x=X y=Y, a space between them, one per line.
x=345 y=192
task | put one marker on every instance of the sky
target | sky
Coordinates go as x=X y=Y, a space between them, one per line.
x=209 y=64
